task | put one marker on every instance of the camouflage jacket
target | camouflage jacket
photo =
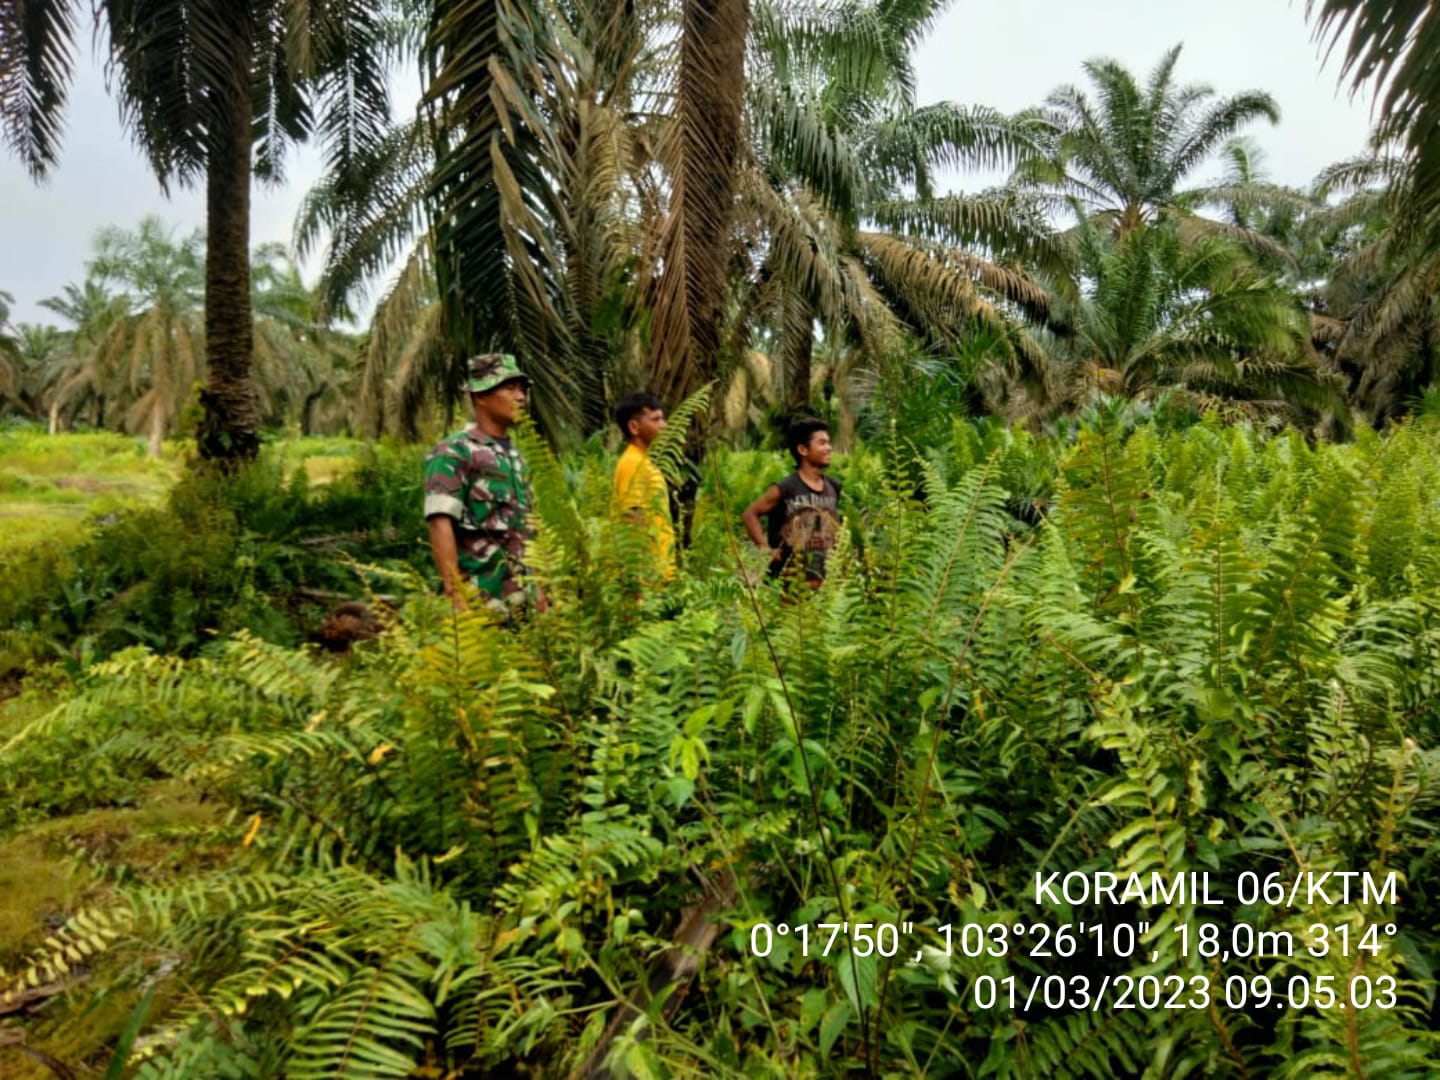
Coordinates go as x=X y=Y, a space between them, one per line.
x=480 y=482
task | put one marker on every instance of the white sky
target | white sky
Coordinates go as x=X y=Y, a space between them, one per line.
x=1004 y=53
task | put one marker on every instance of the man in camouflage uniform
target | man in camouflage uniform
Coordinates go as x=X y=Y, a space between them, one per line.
x=477 y=494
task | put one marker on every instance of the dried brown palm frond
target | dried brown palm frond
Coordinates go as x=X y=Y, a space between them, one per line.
x=405 y=362
x=699 y=151
x=1326 y=329
x=875 y=325
x=800 y=240
x=1409 y=298
x=420 y=364
x=937 y=298
x=751 y=385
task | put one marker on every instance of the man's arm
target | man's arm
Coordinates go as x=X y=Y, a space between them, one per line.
x=751 y=517
x=447 y=559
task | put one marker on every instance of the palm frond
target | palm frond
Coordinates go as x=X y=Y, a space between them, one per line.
x=367 y=215
x=998 y=224
x=1391 y=46
x=37 y=63
x=939 y=300
x=699 y=151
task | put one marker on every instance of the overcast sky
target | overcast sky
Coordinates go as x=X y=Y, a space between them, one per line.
x=1005 y=53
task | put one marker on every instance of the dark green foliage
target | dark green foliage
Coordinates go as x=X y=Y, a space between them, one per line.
x=227 y=553
x=462 y=847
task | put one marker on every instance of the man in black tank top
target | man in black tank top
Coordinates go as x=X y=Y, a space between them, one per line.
x=802 y=510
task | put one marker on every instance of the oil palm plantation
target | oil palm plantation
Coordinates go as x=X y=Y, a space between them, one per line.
x=843 y=208
x=134 y=350
x=587 y=263
x=212 y=91
x=143 y=353
x=1159 y=313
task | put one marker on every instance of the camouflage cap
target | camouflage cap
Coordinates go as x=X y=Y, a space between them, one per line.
x=489 y=370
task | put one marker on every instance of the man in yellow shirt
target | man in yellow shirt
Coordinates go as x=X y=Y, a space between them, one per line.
x=640 y=495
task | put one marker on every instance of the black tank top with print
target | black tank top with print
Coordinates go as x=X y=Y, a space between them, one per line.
x=804 y=524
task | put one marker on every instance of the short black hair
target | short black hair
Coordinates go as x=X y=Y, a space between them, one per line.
x=801 y=432
x=632 y=405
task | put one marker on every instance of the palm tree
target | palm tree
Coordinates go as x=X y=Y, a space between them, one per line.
x=1378 y=307
x=217 y=90
x=522 y=98
x=135 y=346
x=39 y=353
x=9 y=353
x=90 y=309
x=150 y=357
x=559 y=128
x=515 y=195
x=1393 y=46
x=1160 y=313
x=700 y=151
x=1125 y=158
x=27 y=360
x=844 y=206
x=1271 y=216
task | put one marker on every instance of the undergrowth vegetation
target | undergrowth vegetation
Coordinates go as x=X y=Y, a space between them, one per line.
x=202 y=556
x=463 y=848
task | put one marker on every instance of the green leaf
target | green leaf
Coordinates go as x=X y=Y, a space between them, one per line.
x=834 y=1022
x=127 y=1037
x=857 y=976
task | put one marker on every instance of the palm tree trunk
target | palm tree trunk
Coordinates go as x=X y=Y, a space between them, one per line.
x=54 y=418
x=307 y=410
x=229 y=429
x=157 y=431
x=799 y=353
